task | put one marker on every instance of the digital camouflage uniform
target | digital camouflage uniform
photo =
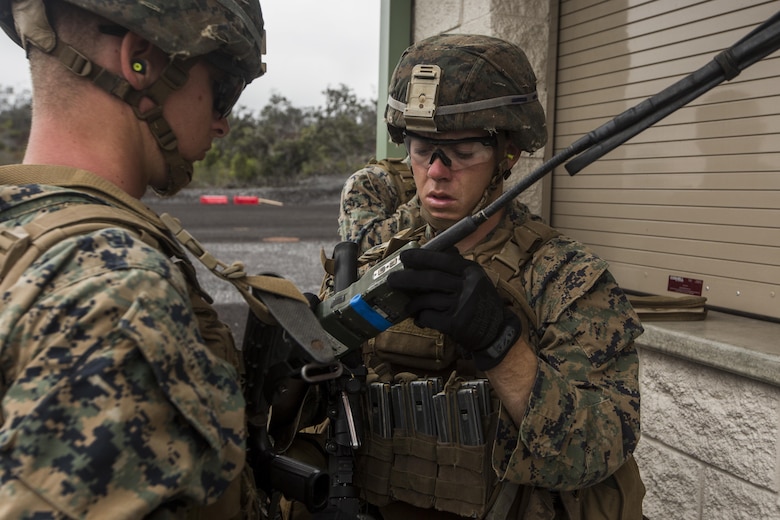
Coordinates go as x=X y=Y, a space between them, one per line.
x=570 y=456
x=113 y=405
x=582 y=421
x=583 y=415
x=377 y=202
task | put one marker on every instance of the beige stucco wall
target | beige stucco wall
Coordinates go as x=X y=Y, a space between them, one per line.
x=709 y=442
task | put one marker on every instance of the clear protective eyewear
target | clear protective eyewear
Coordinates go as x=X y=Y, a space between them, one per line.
x=456 y=154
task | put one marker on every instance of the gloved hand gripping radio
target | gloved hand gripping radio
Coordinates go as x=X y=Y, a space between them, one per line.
x=454 y=296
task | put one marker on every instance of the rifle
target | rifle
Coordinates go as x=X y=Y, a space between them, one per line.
x=345 y=430
x=368 y=306
x=274 y=359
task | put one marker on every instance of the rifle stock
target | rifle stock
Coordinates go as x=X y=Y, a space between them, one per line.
x=273 y=360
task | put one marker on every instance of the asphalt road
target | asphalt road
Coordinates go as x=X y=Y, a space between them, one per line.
x=284 y=240
x=230 y=223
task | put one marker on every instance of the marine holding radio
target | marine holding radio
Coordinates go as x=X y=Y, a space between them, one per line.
x=511 y=390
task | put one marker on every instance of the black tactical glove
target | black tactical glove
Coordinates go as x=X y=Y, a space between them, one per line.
x=454 y=296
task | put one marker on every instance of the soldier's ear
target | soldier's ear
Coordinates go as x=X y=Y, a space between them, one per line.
x=512 y=155
x=509 y=159
x=140 y=61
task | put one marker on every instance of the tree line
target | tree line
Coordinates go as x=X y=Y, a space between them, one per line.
x=278 y=145
x=14 y=124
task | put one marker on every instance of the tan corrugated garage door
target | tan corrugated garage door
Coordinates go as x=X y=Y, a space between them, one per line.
x=693 y=203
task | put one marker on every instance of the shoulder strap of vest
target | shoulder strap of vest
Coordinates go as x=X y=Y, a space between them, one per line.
x=80 y=180
x=509 y=262
x=401 y=175
x=275 y=287
x=526 y=240
x=21 y=246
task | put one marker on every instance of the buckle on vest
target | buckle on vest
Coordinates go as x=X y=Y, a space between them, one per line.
x=190 y=242
x=13 y=244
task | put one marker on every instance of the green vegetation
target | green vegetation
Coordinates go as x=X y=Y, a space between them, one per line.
x=279 y=145
x=14 y=124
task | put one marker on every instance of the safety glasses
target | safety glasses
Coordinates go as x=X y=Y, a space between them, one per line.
x=227 y=86
x=456 y=154
x=227 y=90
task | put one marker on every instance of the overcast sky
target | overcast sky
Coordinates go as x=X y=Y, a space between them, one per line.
x=312 y=45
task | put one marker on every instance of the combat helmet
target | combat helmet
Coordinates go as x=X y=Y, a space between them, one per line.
x=229 y=33
x=461 y=81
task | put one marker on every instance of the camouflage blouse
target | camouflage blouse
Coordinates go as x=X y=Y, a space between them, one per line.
x=373 y=210
x=582 y=420
x=112 y=405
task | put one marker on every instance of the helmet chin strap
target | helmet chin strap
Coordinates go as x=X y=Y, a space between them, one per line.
x=178 y=171
x=33 y=27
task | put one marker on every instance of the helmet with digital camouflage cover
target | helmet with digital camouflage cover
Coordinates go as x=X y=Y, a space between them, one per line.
x=463 y=82
x=232 y=29
x=229 y=34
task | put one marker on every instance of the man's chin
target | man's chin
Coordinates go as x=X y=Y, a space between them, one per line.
x=439 y=220
x=444 y=215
